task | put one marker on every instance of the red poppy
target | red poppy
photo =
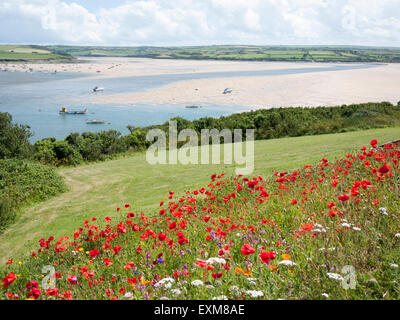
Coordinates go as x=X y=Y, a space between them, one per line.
x=344 y=197
x=129 y=265
x=267 y=256
x=247 y=249
x=34 y=293
x=94 y=253
x=72 y=279
x=162 y=236
x=384 y=169
x=116 y=249
x=52 y=291
x=8 y=279
x=217 y=275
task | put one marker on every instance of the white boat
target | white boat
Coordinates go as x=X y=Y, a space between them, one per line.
x=227 y=90
x=97 y=89
x=94 y=121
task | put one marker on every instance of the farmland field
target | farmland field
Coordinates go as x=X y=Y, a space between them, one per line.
x=249 y=53
x=25 y=53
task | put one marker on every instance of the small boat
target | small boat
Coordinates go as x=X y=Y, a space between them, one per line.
x=64 y=110
x=97 y=89
x=94 y=121
x=192 y=107
x=227 y=90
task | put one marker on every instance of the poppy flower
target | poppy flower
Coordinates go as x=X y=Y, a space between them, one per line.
x=7 y=280
x=129 y=265
x=247 y=249
x=162 y=236
x=344 y=197
x=384 y=169
x=52 y=291
x=116 y=249
x=94 y=253
x=72 y=279
x=34 y=293
x=216 y=275
x=267 y=256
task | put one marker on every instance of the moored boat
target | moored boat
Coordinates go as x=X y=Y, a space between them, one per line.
x=97 y=89
x=94 y=121
x=64 y=110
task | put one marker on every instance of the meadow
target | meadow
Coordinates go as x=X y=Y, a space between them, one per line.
x=285 y=234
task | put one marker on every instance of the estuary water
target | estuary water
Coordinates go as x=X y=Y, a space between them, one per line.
x=34 y=99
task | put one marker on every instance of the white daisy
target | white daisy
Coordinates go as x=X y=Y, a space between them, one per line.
x=220 y=298
x=197 y=283
x=288 y=263
x=254 y=293
x=335 y=276
x=217 y=260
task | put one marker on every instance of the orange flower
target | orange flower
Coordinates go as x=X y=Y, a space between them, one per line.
x=286 y=256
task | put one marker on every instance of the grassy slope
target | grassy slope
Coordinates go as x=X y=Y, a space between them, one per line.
x=97 y=189
x=16 y=53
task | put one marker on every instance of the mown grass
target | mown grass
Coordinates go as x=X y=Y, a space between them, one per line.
x=97 y=189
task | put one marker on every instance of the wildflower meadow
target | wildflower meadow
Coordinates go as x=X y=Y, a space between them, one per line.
x=329 y=230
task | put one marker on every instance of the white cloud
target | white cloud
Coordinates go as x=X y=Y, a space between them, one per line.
x=191 y=22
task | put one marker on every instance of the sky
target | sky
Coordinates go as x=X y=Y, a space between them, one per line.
x=200 y=22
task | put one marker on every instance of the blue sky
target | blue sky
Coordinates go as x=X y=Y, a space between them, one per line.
x=201 y=22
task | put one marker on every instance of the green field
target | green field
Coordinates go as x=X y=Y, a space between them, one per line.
x=97 y=189
x=250 y=53
x=25 y=53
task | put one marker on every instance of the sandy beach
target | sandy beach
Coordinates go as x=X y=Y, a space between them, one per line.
x=328 y=88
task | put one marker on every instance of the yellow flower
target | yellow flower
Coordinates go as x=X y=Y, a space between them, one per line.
x=19 y=262
x=80 y=249
x=286 y=256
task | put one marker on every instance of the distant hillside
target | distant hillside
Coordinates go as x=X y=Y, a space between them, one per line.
x=247 y=53
x=27 y=53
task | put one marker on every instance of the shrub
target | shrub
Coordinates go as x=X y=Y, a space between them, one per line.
x=14 y=139
x=7 y=215
x=23 y=182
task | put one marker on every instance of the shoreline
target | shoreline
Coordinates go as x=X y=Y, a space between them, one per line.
x=310 y=89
